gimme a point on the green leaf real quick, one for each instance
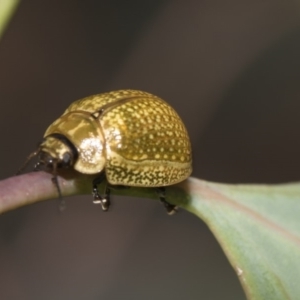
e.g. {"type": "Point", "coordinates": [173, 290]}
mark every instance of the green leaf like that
{"type": "Point", "coordinates": [7, 8]}
{"type": "Point", "coordinates": [258, 227]}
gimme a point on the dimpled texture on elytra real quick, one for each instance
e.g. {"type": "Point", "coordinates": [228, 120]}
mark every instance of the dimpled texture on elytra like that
{"type": "Point", "coordinates": [146, 143]}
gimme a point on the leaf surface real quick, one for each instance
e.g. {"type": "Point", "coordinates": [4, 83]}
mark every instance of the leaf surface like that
{"type": "Point", "coordinates": [258, 227]}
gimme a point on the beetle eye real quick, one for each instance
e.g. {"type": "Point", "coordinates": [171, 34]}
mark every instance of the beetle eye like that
{"type": "Point", "coordinates": [46, 159]}
{"type": "Point", "coordinates": [66, 160]}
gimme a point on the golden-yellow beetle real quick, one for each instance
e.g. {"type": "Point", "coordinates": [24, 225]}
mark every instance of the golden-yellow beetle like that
{"type": "Point", "coordinates": [130, 137]}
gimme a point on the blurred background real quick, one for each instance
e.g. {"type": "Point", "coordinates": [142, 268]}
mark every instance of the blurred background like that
{"type": "Point", "coordinates": [230, 68]}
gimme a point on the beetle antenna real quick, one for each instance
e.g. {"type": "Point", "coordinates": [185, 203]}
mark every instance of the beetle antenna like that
{"type": "Point", "coordinates": [28, 159]}
{"type": "Point", "coordinates": [62, 203]}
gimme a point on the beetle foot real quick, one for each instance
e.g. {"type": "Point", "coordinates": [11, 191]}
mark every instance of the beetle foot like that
{"type": "Point", "coordinates": [104, 201]}
{"type": "Point", "coordinates": [170, 208]}
{"type": "Point", "coordinates": [105, 204]}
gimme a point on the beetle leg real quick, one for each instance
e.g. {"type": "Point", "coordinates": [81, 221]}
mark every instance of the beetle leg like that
{"type": "Point", "coordinates": [106, 200]}
{"type": "Point", "coordinates": [62, 203]}
{"type": "Point", "coordinates": [98, 199]}
{"type": "Point", "coordinates": [171, 208]}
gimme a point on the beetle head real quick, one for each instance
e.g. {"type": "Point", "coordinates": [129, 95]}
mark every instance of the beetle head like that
{"type": "Point", "coordinates": [54, 152]}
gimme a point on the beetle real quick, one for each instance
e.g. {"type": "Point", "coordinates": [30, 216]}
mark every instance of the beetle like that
{"type": "Point", "coordinates": [126, 137]}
